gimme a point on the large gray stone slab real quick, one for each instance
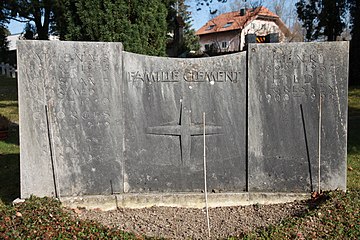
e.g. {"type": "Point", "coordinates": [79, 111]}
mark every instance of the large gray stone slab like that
{"type": "Point", "coordinates": [285, 85]}
{"type": "Point", "coordinates": [165, 100]}
{"type": "Point", "coordinates": [77, 101]}
{"type": "Point", "coordinates": [36, 167]}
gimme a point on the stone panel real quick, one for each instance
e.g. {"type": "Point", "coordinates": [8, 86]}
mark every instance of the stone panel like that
{"type": "Point", "coordinates": [286, 82]}
{"type": "Point", "coordinates": [36, 171]}
{"type": "Point", "coordinates": [165, 100]}
{"type": "Point", "coordinates": [84, 101]}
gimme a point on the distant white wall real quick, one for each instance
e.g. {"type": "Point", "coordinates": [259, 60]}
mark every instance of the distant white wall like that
{"type": "Point", "coordinates": [13, 38]}
{"type": "Point", "coordinates": [12, 41]}
{"type": "Point", "coordinates": [260, 28]}
{"type": "Point", "coordinates": [235, 40]}
{"type": "Point", "coordinates": [225, 41]}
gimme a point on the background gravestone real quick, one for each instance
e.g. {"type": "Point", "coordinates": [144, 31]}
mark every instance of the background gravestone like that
{"type": "Point", "coordinates": [285, 84]}
{"type": "Point", "coordinates": [71, 108]}
{"type": "Point", "coordinates": [165, 99]}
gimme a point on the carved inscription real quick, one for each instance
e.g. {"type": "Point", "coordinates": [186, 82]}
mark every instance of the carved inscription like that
{"type": "Point", "coordinates": [81, 89]}
{"type": "Point", "coordinates": [33, 92]}
{"type": "Point", "coordinates": [304, 76]}
{"type": "Point", "coordinates": [187, 76]}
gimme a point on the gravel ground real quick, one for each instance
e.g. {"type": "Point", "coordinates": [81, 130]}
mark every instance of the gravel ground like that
{"type": "Point", "coordinates": [185, 223]}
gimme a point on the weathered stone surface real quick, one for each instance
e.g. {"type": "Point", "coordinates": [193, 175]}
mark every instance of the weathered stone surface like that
{"type": "Point", "coordinates": [95, 120]}
{"type": "Point", "coordinates": [35, 168]}
{"type": "Point", "coordinates": [165, 99]}
{"type": "Point", "coordinates": [80, 86]}
{"type": "Point", "coordinates": [285, 84]}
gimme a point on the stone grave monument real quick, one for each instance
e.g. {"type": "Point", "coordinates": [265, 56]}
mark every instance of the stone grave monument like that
{"type": "Point", "coordinates": [96, 120]}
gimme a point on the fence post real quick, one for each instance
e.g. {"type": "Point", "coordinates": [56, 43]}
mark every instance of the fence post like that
{"type": "Point", "coordinates": [12, 72]}
{"type": "Point", "coordinates": [7, 72]}
{"type": "Point", "coordinates": [2, 66]}
{"type": "Point", "coordinates": [15, 68]}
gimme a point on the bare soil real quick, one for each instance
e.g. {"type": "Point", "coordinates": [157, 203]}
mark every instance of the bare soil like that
{"type": "Point", "coordinates": [188, 223]}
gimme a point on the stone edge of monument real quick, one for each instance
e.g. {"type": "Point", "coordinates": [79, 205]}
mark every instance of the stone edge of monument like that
{"type": "Point", "coordinates": [184, 200]}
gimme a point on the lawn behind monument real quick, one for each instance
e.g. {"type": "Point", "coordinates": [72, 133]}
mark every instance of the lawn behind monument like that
{"type": "Point", "coordinates": [9, 148]}
{"type": "Point", "coordinates": [333, 215]}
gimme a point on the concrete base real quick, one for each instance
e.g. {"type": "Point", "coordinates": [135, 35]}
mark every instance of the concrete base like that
{"type": "Point", "coordinates": [186, 200]}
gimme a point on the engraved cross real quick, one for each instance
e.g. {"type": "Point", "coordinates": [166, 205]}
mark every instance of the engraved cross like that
{"type": "Point", "coordinates": [185, 129]}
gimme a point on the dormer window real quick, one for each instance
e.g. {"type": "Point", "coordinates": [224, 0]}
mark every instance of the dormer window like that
{"type": "Point", "coordinates": [210, 27]}
{"type": "Point", "coordinates": [228, 24]}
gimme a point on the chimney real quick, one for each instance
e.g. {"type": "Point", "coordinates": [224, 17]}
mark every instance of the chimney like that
{"type": "Point", "coordinates": [242, 11]}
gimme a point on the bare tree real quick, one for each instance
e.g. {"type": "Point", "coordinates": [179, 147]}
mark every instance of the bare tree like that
{"type": "Point", "coordinates": [227, 6]}
{"type": "Point", "coordinates": [285, 10]}
{"type": "Point", "coordinates": [297, 32]}
{"type": "Point", "coordinates": [239, 4]}
{"type": "Point", "coordinates": [278, 7]}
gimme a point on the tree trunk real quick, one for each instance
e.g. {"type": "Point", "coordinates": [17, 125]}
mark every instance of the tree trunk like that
{"type": "Point", "coordinates": [42, 33]}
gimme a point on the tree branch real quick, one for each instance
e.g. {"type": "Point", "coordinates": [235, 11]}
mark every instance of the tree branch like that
{"type": "Point", "coordinates": [22, 21]}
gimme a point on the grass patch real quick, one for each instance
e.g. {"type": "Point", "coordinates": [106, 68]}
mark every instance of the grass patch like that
{"type": "Point", "coordinates": [333, 215]}
{"type": "Point", "coordinates": [9, 98]}
{"type": "Point", "coordinates": [353, 178]}
{"type": "Point", "coordinates": [44, 218]}
{"type": "Point", "coordinates": [9, 148]}
{"type": "Point", "coordinates": [354, 102]}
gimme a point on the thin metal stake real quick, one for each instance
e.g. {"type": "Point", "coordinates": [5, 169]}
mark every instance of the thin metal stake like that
{"type": "Point", "coordinates": [205, 187]}
{"type": "Point", "coordinates": [319, 188]}
{"type": "Point", "coordinates": [52, 155]}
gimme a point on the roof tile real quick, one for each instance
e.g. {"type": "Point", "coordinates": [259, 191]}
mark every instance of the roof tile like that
{"type": "Point", "coordinates": [222, 22]}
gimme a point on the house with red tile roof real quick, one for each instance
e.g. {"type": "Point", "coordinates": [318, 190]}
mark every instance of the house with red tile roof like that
{"type": "Point", "coordinates": [229, 32]}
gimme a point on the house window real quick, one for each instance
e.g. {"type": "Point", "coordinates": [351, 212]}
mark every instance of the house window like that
{"type": "Point", "coordinates": [260, 39]}
{"type": "Point", "coordinates": [224, 44]}
{"type": "Point", "coordinates": [207, 47]}
{"type": "Point", "coordinates": [228, 24]}
{"type": "Point", "coordinates": [210, 27]}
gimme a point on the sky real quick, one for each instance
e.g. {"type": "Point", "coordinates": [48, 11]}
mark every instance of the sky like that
{"type": "Point", "coordinates": [16, 27]}
{"type": "Point", "coordinates": [200, 17]}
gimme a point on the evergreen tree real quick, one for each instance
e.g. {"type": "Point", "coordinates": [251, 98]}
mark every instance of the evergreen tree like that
{"type": "Point", "coordinates": [191, 41]}
{"type": "Point", "coordinates": [322, 18]}
{"type": "Point", "coordinates": [140, 25]}
{"type": "Point", "coordinates": [29, 31]}
{"type": "Point", "coordinates": [41, 12]}
{"type": "Point", "coordinates": [327, 18]}
{"type": "Point", "coordinates": [354, 6]}
{"type": "Point", "coordinates": [3, 33]}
